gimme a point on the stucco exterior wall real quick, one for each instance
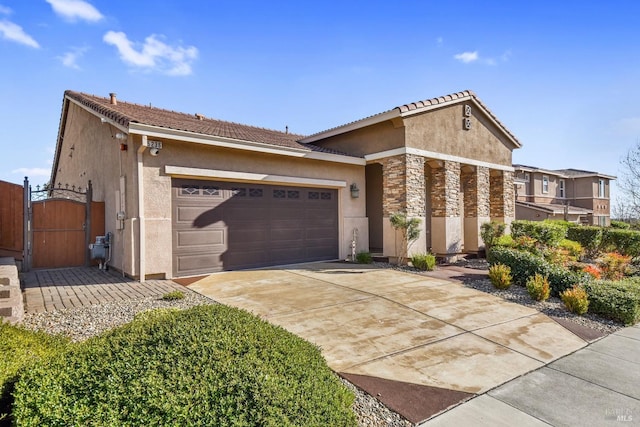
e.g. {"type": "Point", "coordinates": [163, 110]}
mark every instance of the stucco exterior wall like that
{"type": "Point", "coordinates": [373, 139]}
{"type": "Point", "coordinates": [96, 156]}
{"type": "Point", "coordinates": [442, 131]}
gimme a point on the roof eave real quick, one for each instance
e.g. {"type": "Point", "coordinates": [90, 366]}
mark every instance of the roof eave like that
{"type": "Point", "coordinates": [359, 124]}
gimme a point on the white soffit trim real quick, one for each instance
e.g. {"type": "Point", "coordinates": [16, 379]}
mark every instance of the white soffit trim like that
{"type": "Point", "coordinates": [435, 156]}
{"type": "Point", "coordinates": [251, 177]}
{"type": "Point", "coordinates": [219, 141]}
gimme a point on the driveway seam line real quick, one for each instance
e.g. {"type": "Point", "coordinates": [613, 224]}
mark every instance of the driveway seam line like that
{"type": "Point", "coordinates": [591, 382]}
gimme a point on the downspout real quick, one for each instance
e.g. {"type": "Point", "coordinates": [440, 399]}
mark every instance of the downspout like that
{"type": "Point", "coordinates": [141, 227]}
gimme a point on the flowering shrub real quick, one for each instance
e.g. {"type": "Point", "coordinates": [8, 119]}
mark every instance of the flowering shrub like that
{"type": "Point", "coordinates": [614, 266]}
{"type": "Point", "coordinates": [593, 270]}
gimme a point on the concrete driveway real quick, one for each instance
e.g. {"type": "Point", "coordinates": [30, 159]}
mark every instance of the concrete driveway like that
{"type": "Point", "coordinates": [399, 328]}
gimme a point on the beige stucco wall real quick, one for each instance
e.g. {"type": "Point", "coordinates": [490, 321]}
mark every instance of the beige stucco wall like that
{"type": "Point", "coordinates": [372, 139]}
{"type": "Point", "coordinates": [442, 131]}
{"type": "Point", "coordinates": [352, 212]}
{"type": "Point", "coordinates": [96, 156]}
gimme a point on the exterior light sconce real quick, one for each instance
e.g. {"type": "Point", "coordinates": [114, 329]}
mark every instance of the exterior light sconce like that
{"type": "Point", "coordinates": [355, 191]}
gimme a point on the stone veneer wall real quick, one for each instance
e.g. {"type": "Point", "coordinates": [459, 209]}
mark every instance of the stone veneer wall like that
{"type": "Point", "coordinates": [502, 195]}
{"type": "Point", "coordinates": [403, 185]}
{"type": "Point", "coordinates": [476, 187]}
{"type": "Point", "coordinates": [445, 190]}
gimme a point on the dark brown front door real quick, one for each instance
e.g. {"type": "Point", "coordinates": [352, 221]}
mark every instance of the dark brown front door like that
{"type": "Point", "coordinates": [227, 226]}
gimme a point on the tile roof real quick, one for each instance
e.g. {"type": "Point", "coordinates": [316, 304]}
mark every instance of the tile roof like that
{"type": "Point", "coordinates": [414, 106]}
{"type": "Point", "coordinates": [124, 113]}
{"type": "Point", "coordinates": [563, 173]}
{"type": "Point", "coordinates": [555, 208]}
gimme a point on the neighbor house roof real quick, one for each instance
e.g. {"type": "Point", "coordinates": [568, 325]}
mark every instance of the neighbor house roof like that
{"type": "Point", "coordinates": [555, 208]}
{"type": "Point", "coordinates": [414, 108]}
{"type": "Point", "coordinates": [562, 173]}
{"type": "Point", "coordinates": [126, 113]}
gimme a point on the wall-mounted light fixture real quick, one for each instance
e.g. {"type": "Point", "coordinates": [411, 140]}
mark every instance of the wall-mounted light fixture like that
{"type": "Point", "coordinates": [355, 191]}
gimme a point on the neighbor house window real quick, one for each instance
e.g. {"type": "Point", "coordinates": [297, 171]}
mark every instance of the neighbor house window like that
{"type": "Point", "coordinates": [561, 188]}
{"type": "Point", "coordinates": [545, 184]}
{"type": "Point", "coordinates": [601, 188]}
{"type": "Point", "coordinates": [527, 177]}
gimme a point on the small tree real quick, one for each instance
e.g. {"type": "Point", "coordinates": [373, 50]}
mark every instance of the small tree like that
{"type": "Point", "coordinates": [410, 231]}
{"type": "Point", "coordinates": [491, 232]}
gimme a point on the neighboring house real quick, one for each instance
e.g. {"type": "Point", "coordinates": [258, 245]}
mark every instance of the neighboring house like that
{"type": "Point", "coordinates": [571, 194]}
{"type": "Point", "coordinates": [188, 195]}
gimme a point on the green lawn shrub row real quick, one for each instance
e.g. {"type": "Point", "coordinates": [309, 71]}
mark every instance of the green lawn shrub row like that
{"type": "Point", "coordinates": [625, 242]}
{"type": "Point", "coordinates": [524, 264]}
{"type": "Point", "coordinates": [617, 300]}
{"type": "Point", "coordinates": [548, 233]}
{"type": "Point", "coordinates": [590, 237]}
{"type": "Point", "coordinates": [209, 365]}
{"type": "Point", "coordinates": [20, 349]}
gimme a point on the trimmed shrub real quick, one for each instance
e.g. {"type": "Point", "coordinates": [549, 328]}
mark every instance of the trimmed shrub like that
{"type": "Point", "coordinates": [593, 271]}
{"type": "Point", "coordinates": [616, 300]}
{"type": "Point", "coordinates": [173, 296]}
{"type": "Point", "coordinates": [209, 365]}
{"type": "Point", "coordinates": [19, 349]}
{"type": "Point", "coordinates": [546, 233]}
{"type": "Point", "coordinates": [538, 287]}
{"type": "Point", "coordinates": [504, 240]}
{"type": "Point", "coordinates": [424, 262]}
{"type": "Point", "coordinates": [626, 242]}
{"type": "Point", "coordinates": [620, 224]}
{"type": "Point", "coordinates": [364, 258]}
{"type": "Point", "coordinates": [576, 300]}
{"type": "Point", "coordinates": [500, 276]}
{"type": "Point", "coordinates": [590, 237]}
{"type": "Point", "coordinates": [524, 264]}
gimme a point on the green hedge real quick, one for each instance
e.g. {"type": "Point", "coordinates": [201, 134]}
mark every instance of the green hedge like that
{"type": "Point", "coordinates": [617, 300]}
{"type": "Point", "coordinates": [209, 365]}
{"type": "Point", "coordinates": [19, 349]}
{"type": "Point", "coordinates": [524, 265]}
{"type": "Point", "coordinates": [590, 237]}
{"type": "Point", "coordinates": [626, 242]}
{"type": "Point", "coordinates": [620, 224]}
{"type": "Point", "coordinates": [547, 233]}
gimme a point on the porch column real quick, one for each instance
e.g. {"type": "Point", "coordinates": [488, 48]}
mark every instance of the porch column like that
{"type": "Point", "coordinates": [446, 224]}
{"type": "Point", "coordinates": [403, 186]}
{"type": "Point", "coordinates": [475, 184]}
{"type": "Point", "coordinates": [502, 202]}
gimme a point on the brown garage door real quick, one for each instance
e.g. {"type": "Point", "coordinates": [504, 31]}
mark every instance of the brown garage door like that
{"type": "Point", "coordinates": [228, 226]}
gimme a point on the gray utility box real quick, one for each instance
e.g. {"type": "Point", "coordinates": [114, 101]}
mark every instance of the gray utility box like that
{"type": "Point", "coordinates": [99, 248]}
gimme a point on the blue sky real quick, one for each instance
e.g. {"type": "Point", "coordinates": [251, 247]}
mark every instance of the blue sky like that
{"type": "Point", "coordinates": [561, 75]}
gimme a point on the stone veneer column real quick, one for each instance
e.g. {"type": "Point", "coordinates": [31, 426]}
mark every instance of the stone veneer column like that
{"type": "Point", "coordinates": [502, 204]}
{"type": "Point", "coordinates": [475, 184]}
{"type": "Point", "coordinates": [446, 225]}
{"type": "Point", "coordinates": [403, 186]}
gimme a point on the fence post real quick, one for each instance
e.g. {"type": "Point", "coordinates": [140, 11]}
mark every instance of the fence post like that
{"type": "Point", "coordinates": [87, 222]}
{"type": "Point", "coordinates": [26, 246]}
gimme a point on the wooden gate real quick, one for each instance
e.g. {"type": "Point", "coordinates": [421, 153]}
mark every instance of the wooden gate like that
{"type": "Point", "coordinates": [62, 222]}
{"type": "Point", "coordinates": [11, 220]}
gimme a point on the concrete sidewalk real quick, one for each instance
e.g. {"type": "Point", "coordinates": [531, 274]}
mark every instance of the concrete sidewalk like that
{"type": "Point", "coordinates": [596, 386]}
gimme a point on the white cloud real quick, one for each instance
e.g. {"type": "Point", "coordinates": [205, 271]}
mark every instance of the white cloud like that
{"type": "Point", "coordinates": [5, 10]}
{"type": "Point", "coordinates": [14, 32]}
{"type": "Point", "coordinates": [153, 54]}
{"type": "Point", "coordinates": [76, 9]}
{"type": "Point", "coordinates": [31, 172]}
{"type": "Point", "coordinates": [70, 59]}
{"type": "Point", "coordinates": [467, 57]}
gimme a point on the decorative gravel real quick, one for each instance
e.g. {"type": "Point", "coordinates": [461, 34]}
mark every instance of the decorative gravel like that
{"type": "Point", "coordinates": [518, 294]}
